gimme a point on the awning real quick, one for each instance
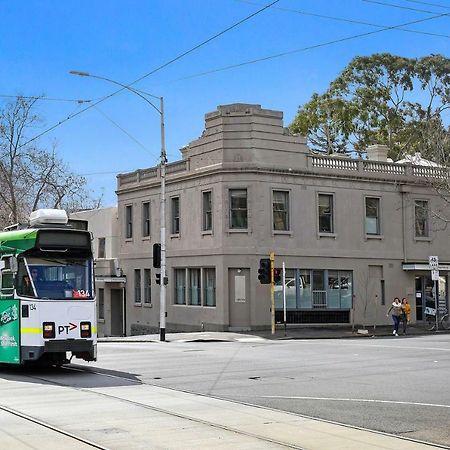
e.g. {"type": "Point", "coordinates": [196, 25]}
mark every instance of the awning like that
{"type": "Point", "coordinates": [424, 266]}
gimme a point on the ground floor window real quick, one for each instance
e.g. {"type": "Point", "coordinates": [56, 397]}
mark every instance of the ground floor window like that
{"type": "Point", "coordinates": [316, 289]}
{"type": "Point", "coordinates": [195, 286]}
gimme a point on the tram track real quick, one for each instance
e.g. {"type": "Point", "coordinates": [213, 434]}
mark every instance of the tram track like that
{"type": "Point", "coordinates": [76, 439]}
{"type": "Point", "coordinates": [208, 423]}
{"type": "Point", "coordinates": [156, 409]}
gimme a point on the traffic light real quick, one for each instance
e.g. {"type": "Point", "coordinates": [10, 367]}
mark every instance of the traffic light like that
{"type": "Point", "coordinates": [264, 271]}
{"type": "Point", "coordinates": [276, 276]}
{"type": "Point", "coordinates": [158, 278]}
{"type": "Point", "coordinates": [156, 256]}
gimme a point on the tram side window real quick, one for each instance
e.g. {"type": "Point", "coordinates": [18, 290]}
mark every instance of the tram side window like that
{"type": "Point", "coordinates": [24, 285]}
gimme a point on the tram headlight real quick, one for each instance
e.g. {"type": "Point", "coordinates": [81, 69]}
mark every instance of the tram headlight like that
{"type": "Point", "coordinates": [85, 329]}
{"type": "Point", "coordinates": [48, 330]}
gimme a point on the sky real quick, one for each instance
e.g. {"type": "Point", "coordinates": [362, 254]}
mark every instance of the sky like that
{"type": "Point", "coordinates": [43, 40]}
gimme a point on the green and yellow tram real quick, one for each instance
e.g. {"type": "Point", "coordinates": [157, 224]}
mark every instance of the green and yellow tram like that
{"type": "Point", "coordinates": [47, 296]}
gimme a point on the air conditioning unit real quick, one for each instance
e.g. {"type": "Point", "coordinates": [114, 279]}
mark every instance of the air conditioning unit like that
{"type": "Point", "coordinates": [48, 216]}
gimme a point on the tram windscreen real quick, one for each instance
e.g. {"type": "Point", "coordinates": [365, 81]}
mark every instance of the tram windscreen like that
{"type": "Point", "coordinates": [56, 278]}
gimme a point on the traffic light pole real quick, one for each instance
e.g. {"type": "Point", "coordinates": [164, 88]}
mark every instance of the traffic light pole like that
{"type": "Point", "coordinates": [272, 291]}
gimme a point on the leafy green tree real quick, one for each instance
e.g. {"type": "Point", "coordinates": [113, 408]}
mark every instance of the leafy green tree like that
{"type": "Point", "coordinates": [384, 99]}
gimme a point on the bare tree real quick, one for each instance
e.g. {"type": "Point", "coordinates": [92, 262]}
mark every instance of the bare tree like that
{"type": "Point", "coordinates": [33, 177]}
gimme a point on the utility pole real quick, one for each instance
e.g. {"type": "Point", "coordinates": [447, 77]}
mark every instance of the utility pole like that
{"type": "Point", "coordinates": [272, 291]}
{"type": "Point", "coordinates": [162, 292]}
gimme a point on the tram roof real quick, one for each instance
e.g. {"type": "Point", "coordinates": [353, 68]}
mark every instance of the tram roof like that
{"type": "Point", "coordinates": [17, 239]}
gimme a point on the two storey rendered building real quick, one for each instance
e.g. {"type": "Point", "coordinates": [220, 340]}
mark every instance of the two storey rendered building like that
{"type": "Point", "coordinates": [352, 234]}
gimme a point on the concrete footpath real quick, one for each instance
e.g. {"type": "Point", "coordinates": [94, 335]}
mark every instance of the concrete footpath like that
{"type": "Point", "coordinates": [307, 332]}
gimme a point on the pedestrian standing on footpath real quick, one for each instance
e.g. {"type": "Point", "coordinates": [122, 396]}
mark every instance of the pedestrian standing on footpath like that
{"type": "Point", "coordinates": [397, 311]}
{"type": "Point", "coordinates": [406, 313]}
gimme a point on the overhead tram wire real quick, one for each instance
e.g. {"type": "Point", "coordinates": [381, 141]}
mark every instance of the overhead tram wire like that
{"type": "Point", "coordinates": [393, 5]}
{"type": "Point", "coordinates": [342, 19]}
{"type": "Point", "coordinates": [40, 97]}
{"type": "Point", "coordinates": [311, 47]}
{"type": "Point", "coordinates": [122, 129]}
{"type": "Point", "coordinates": [162, 66]}
{"type": "Point", "coordinates": [428, 4]}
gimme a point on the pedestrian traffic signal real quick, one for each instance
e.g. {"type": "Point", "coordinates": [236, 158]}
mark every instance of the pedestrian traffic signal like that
{"type": "Point", "coordinates": [156, 256]}
{"type": "Point", "coordinates": [158, 278]}
{"type": "Point", "coordinates": [276, 276]}
{"type": "Point", "coordinates": [264, 271]}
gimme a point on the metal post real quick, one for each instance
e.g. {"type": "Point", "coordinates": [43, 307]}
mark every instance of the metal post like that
{"type": "Point", "coordinates": [162, 291]}
{"type": "Point", "coordinates": [436, 303]}
{"type": "Point", "coordinates": [284, 297]}
{"type": "Point", "coordinates": [272, 291]}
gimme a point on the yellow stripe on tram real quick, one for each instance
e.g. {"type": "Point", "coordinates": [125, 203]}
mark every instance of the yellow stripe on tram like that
{"type": "Point", "coordinates": [31, 330]}
{"type": "Point", "coordinates": [94, 330]}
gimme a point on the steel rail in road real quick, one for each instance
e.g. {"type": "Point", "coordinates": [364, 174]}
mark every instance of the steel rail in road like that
{"type": "Point", "coordinates": [51, 427]}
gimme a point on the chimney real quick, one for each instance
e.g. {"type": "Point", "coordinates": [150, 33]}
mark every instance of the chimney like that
{"type": "Point", "coordinates": [377, 152]}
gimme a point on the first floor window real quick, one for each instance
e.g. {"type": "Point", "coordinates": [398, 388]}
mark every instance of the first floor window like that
{"type": "Point", "coordinates": [326, 220]}
{"type": "Point", "coordinates": [421, 218]}
{"type": "Point", "coordinates": [175, 215]}
{"type": "Point", "coordinates": [101, 247]}
{"type": "Point", "coordinates": [147, 286]}
{"type": "Point", "coordinates": [180, 286]}
{"type": "Point", "coordinates": [207, 211]}
{"type": "Point", "coordinates": [137, 286]}
{"type": "Point", "coordinates": [146, 219]}
{"type": "Point", "coordinates": [238, 209]}
{"type": "Point", "coordinates": [280, 210]}
{"type": "Point", "coordinates": [372, 215]}
{"type": "Point", "coordinates": [209, 296]}
{"type": "Point", "coordinates": [101, 304]}
{"type": "Point", "coordinates": [128, 221]}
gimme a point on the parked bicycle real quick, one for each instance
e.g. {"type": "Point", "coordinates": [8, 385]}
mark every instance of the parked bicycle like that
{"type": "Point", "coordinates": [443, 319]}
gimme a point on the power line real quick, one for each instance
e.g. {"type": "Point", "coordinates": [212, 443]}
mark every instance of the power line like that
{"type": "Point", "coordinates": [122, 129]}
{"type": "Point", "coordinates": [392, 5]}
{"type": "Point", "coordinates": [429, 4]}
{"type": "Point", "coordinates": [311, 47]}
{"type": "Point", "coordinates": [343, 19]}
{"type": "Point", "coordinates": [177, 58]}
{"type": "Point", "coordinates": [40, 97]}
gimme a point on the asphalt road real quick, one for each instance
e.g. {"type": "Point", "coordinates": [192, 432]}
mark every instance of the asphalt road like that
{"type": "Point", "coordinates": [395, 385]}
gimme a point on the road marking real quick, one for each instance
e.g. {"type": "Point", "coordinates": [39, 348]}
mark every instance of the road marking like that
{"type": "Point", "coordinates": [393, 347]}
{"type": "Point", "coordinates": [434, 405]}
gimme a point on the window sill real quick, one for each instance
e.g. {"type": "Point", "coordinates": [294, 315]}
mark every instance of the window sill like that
{"type": "Point", "coordinates": [101, 320]}
{"type": "Point", "coordinates": [238, 230]}
{"type": "Point", "coordinates": [327, 235]}
{"type": "Point", "coordinates": [128, 239]}
{"type": "Point", "coordinates": [137, 304]}
{"type": "Point", "coordinates": [422, 239]}
{"type": "Point", "coordinates": [281, 233]}
{"type": "Point", "coordinates": [374, 236]}
{"type": "Point", "coordinates": [207, 233]}
{"type": "Point", "coordinates": [145, 238]}
{"type": "Point", "coordinates": [175, 236]}
{"type": "Point", "coordinates": [148, 305]}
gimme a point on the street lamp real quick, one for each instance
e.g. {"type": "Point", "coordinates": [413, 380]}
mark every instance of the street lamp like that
{"type": "Point", "coordinates": [160, 110]}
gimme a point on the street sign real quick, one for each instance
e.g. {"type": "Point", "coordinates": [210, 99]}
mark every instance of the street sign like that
{"type": "Point", "coordinates": [433, 261]}
{"type": "Point", "coordinates": [435, 275]}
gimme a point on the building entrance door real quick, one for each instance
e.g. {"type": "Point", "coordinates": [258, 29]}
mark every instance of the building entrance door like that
{"type": "Point", "coordinates": [425, 294]}
{"type": "Point", "coordinates": [117, 312]}
{"type": "Point", "coordinates": [239, 299]}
